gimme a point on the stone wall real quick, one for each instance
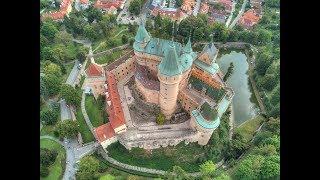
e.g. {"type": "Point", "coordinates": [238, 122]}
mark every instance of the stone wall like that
{"type": "Point", "coordinates": [186, 102]}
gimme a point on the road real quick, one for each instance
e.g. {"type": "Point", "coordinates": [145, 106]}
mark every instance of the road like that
{"type": "Point", "coordinates": [73, 74]}
{"type": "Point", "coordinates": [196, 8]}
{"type": "Point", "coordinates": [231, 14]}
{"type": "Point", "coordinates": [65, 110]}
{"type": "Point", "coordinates": [234, 22]}
{"type": "Point", "coordinates": [124, 16]}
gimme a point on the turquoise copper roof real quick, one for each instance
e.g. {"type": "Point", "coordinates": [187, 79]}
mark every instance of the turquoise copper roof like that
{"type": "Point", "coordinates": [170, 65]}
{"type": "Point", "coordinates": [223, 105]}
{"type": "Point", "coordinates": [203, 122]}
{"type": "Point", "coordinates": [188, 47]}
{"type": "Point", "coordinates": [212, 69]}
{"type": "Point", "coordinates": [142, 34]}
{"type": "Point", "coordinates": [211, 50]}
{"type": "Point", "coordinates": [158, 47]}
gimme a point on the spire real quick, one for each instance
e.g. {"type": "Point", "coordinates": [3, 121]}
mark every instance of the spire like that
{"type": "Point", "coordinates": [169, 65]}
{"type": "Point", "coordinates": [188, 47]}
{"type": "Point", "coordinates": [142, 34]}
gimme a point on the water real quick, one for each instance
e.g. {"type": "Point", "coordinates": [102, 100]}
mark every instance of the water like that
{"type": "Point", "coordinates": [243, 108]}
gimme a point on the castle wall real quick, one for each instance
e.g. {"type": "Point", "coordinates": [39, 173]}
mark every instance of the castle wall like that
{"type": "Point", "coordinates": [151, 96]}
{"type": "Point", "coordinates": [150, 61]}
{"type": "Point", "coordinates": [107, 142]}
{"type": "Point", "coordinates": [123, 69]}
{"type": "Point", "coordinates": [184, 80]}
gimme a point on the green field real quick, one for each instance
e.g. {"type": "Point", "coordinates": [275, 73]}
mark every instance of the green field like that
{"type": "Point", "coordinates": [182, 155]}
{"type": "Point", "coordinates": [94, 112]}
{"type": "Point", "coordinates": [110, 57]}
{"type": "Point", "coordinates": [86, 134]}
{"type": "Point", "coordinates": [248, 128]}
{"type": "Point", "coordinates": [55, 170]}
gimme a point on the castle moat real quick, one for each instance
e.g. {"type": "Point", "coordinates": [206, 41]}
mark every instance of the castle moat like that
{"type": "Point", "coordinates": [243, 108]}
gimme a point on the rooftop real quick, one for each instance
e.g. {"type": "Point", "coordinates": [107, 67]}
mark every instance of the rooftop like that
{"type": "Point", "coordinates": [94, 70]}
{"type": "Point", "coordinates": [116, 116]}
{"type": "Point", "coordinates": [212, 69]}
{"type": "Point", "coordinates": [104, 132]}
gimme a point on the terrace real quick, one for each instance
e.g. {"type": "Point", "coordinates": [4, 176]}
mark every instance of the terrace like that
{"type": "Point", "coordinates": [142, 74]}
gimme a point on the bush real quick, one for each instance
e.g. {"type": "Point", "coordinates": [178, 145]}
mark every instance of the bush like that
{"type": "Point", "coordinates": [67, 128]}
{"type": "Point", "coordinates": [160, 119]}
{"type": "Point", "coordinates": [49, 117]}
{"type": "Point", "coordinates": [44, 171]}
{"type": "Point", "coordinates": [47, 157]}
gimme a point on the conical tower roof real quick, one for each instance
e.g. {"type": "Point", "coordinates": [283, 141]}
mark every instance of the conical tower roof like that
{"type": "Point", "coordinates": [169, 65]}
{"type": "Point", "coordinates": [188, 48]}
{"type": "Point", "coordinates": [142, 34]}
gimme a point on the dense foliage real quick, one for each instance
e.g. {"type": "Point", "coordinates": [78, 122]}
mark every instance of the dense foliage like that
{"type": "Point", "coordinates": [71, 95]}
{"type": "Point", "coordinates": [67, 129]}
{"type": "Point", "coordinates": [88, 167]}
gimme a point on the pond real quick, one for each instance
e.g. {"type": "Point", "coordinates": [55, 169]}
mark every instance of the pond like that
{"type": "Point", "coordinates": [243, 108]}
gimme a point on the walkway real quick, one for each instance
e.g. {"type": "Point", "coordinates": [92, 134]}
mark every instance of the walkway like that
{"type": "Point", "coordinates": [73, 74]}
{"type": "Point", "coordinates": [196, 8]}
{"type": "Point", "coordinates": [231, 14]}
{"type": "Point", "coordinates": [239, 14]}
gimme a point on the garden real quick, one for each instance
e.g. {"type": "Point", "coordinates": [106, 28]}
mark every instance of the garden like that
{"type": "Point", "coordinates": [52, 160]}
{"type": "Point", "coordinates": [96, 111]}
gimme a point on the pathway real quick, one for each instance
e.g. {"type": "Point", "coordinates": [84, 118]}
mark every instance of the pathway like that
{"type": "Point", "coordinates": [196, 8]}
{"type": "Point", "coordinates": [239, 14]}
{"type": "Point", "coordinates": [65, 110]}
{"type": "Point", "coordinates": [231, 14]}
{"type": "Point", "coordinates": [73, 74]}
{"type": "Point", "coordinates": [120, 32]}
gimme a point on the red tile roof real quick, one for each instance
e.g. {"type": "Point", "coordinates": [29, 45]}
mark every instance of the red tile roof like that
{"type": "Point", "coordinates": [249, 18]}
{"type": "Point", "coordinates": [116, 116]}
{"type": "Point", "coordinates": [227, 4]}
{"type": "Point", "coordinates": [84, 1]}
{"type": "Point", "coordinates": [104, 132]}
{"type": "Point", "coordinates": [204, 8]}
{"type": "Point", "coordinates": [175, 15]}
{"type": "Point", "coordinates": [108, 4]}
{"type": "Point", "coordinates": [59, 14]}
{"type": "Point", "coordinates": [94, 70]}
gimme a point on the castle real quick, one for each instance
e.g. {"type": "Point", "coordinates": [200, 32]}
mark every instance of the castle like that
{"type": "Point", "coordinates": [183, 84]}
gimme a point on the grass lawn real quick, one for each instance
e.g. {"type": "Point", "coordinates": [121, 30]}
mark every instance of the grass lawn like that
{"type": "Point", "coordinates": [86, 134]}
{"type": "Point", "coordinates": [47, 130]}
{"type": "Point", "coordinates": [110, 57]}
{"type": "Point", "coordinates": [121, 174]}
{"type": "Point", "coordinates": [56, 170]}
{"type": "Point", "coordinates": [249, 127]}
{"type": "Point", "coordinates": [94, 112]}
{"type": "Point", "coordinates": [181, 155]}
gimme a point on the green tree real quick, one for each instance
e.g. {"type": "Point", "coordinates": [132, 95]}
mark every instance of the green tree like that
{"type": "Point", "coordinates": [178, 173]}
{"type": "Point", "coordinates": [90, 32]}
{"type": "Point", "coordinates": [265, 150]}
{"type": "Point", "coordinates": [270, 167]}
{"type": "Point", "coordinates": [48, 116]}
{"type": "Point", "coordinates": [43, 41]}
{"type": "Point", "coordinates": [250, 167]}
{"type": "Point", "coordinates": [223, 176]}
{"type": "Point", "coordinates": [135, 7]}
{"type": "Point", "coordinates": [52, 83]}
{"type": "Point", "coordinates": [70, 95]}
{"type": "Point", "coordinates": [47, 157]}
{"type": "Point", "coordinates": [59, 53]}
{"type": "Point", "coordinates": [273, 125]}
{"type": "Point", "coordinates": [274, 140]}
{"type": "Point", "coordinates": [157, 22]}
{"type": "Point", "coordinates": [94, 14]}
{"type": "Point", "coordinates": [124, 39]}
{"type": "Point", "coordinates": [63, 37]}
{"type": "Point", "coordinates": [49, 30]}
{"type": "Point", "coordinates": [46, 53]}
{"type": "Point", "coordinates": [88, 168]}
{"type": "Point", "coordinates": [67, 129]}
{"type": "Point", "coordinates": [179, 3]}
{"type": "Point", "coordinates": [82, 54]}
{"type": "Point", "coordinates": [208, 168]}
{"type": "Point", "coordinates": [52, 69]}
{"type": "Point", "coordinates": [268, 82]}
{"type": "Point", "coordinates": [160, 119]}
{"type": "Point", "coordinates": [44, 171]}
{"type": "Point", "coordinates": [263, 36]}
{"type": "Point", "coordinates": [229, 72]}
{"type": "Point", "coordinates": [261, 136]}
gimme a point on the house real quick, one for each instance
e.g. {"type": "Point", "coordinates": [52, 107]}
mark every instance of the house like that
{"type": "Point", "coordinates": [249, 19]}
{"type": "Point", "coordinates": [172, 13]}
{"type": "Point", "coordinates": [107, 4]}
{"type": "Point", "coordinates": [227, 4]}
{"type": "Point", "coordinates": [188, 5]}
{"type": "Point", "coordinates": [95, 79]}
{"type": "Point", "coordinates": [65, 9]}
{"type": "Point", "coordinates": [204, 8]}
{"type": "Point", "coordinates": [105, 134]}
{"type": "Point", "coordinates": [84, 4]}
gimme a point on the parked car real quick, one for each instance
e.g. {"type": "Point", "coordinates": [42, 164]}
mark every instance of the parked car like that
{"type": "Point", "coordinates": [79, 66]}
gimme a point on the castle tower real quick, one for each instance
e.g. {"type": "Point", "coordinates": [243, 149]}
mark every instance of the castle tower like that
{"type": "Point", "coordinates": [142, 37]}
{"type": "Point", "coordinates": [169, 75]}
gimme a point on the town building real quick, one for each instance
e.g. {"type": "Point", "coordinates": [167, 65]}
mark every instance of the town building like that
{"type": "Point", "coordinates": [65, 9]}
{"type": "Point", "coordinates": [249, 19]}
{"type": "Point", "coordinates": [185, 86]}
{"type": "Point", "coordinates": [166, 9]}
{"type": "Point", "coordinates": [109, 5]}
